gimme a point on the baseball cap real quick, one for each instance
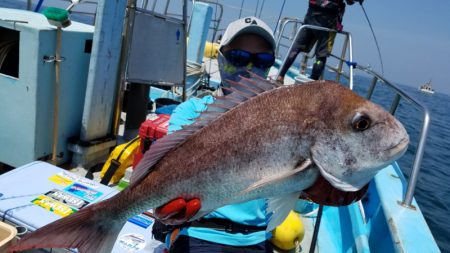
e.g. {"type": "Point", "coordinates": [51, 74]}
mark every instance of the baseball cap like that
{"type": "Point", "coordinates": [247, 25]}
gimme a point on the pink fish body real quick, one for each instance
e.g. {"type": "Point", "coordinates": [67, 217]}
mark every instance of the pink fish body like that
{"type": "Point", "coordinates": [261, 141]}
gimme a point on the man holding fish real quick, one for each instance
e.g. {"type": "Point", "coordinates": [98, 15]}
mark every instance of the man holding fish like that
{"type": "Point", "coordinates": [247, 45]}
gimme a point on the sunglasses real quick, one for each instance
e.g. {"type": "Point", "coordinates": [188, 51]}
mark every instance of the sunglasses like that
{"type": "Point", "coordinates": [241, 58]}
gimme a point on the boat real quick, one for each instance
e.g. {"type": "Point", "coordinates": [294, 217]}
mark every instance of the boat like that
{"type": "Point", "coordinates": [87, 127]}
{"type": "Point", "coordinates": [427, 88]}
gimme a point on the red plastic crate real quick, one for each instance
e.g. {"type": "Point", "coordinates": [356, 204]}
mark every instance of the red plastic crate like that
{"type": "Point", "coordinates": [149, 131]}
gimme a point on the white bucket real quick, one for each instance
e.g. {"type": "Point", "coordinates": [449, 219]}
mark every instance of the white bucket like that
{"type": "Point", "coordinates": [7, 236]}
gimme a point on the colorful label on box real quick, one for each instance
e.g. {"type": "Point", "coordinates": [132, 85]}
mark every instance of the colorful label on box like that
{"type": "Point", "coordinates": [141, 220]}
{"type": "Point", "coordinates": [53, 206]}
{"type": "Point", "coordinates": [67, 198]}
{"type": "Point", "coordinates": [132, 242]}
{"type": "Point", "coordinates": [83, 192]}
{"type": "Point", "coordinates": [61, 180]}
{"type": "Point", "coordinates": [79, 179]}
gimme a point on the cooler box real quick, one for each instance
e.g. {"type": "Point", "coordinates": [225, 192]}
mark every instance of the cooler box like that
{"type": "Point", "coordinates": [149, 131]}
{"type": "Point", "coordinates": [39, 193]}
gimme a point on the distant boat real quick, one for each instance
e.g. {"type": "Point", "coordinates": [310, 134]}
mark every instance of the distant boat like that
{"type": "Point", "coordinates": [426, 88]}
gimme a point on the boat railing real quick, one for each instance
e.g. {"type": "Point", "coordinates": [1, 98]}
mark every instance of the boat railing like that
{"type": "Point", "coordinates": [144, 5]}
{"type": "Point", "coordinates": [216, 17]}
{"type": "Point", "coordinates": [376, 79]}
{"type": "Point", "coordinates": [280, 37]}
{"type": "Point", "coordinates": [346, 45]}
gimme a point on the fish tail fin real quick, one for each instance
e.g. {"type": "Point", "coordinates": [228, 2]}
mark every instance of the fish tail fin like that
{"type": "Point", "coordinates": [87, 230]}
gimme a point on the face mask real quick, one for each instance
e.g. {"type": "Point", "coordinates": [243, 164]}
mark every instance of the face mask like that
{"type": "Point", "coordinates": [231, 72]}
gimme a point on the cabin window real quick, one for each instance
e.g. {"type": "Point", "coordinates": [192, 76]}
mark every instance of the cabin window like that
{"type": "Point", "coordinates": [88, 46]}
{"type": "Point", "coordinates": [9, 52]}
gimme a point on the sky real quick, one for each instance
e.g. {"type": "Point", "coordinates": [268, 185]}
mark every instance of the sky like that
{"type": "Point", "coordinates": [414, 36]}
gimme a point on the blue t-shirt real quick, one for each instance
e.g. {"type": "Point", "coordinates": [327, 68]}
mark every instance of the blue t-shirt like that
{"type": "Point", "coordinates": [249, 213]}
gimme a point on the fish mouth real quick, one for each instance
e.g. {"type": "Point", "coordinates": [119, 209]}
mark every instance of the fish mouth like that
{"type": "Point", "coordinates": [399, 148]}
{"type": "Point", "coordinates": [341, 184]}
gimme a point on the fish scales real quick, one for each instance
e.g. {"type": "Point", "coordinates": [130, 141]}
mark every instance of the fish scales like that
{"type": "Point", "coordinates": [249, 143]}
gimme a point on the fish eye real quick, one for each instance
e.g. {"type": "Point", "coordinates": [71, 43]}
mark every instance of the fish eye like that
{"type": "Point", "coordinates": [361, 122]}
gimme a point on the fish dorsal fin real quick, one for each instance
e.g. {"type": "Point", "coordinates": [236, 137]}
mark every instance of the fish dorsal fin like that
{"type": "Point", "coordinates": [241, 91]}
{"type": "Point", "coordinates": [156, 151]}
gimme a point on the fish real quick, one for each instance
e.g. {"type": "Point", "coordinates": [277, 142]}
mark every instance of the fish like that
{"type": "Point", "coordinates": [262, 140]}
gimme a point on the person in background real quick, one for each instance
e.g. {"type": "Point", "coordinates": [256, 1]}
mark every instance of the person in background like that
{"type": "Point", "coordinates": [324, 13]}
{"type": "Point", "coordinates": [247, 45]}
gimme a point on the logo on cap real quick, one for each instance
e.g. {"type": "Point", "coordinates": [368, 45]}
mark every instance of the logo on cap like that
{"type": "Point", "coordinates": [250, 21]}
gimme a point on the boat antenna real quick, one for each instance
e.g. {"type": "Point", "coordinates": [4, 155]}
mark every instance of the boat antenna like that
{"type": "Point", "coordinates": [257, 7]}
{"type": "Point", "coordinates": [262, 6]}
{"type": "Point", "coordinates": [240, 11]}
{"type": "Point", "coordinates": [374, 37]}
{"type": "Point", "coordinates": [279, 16]}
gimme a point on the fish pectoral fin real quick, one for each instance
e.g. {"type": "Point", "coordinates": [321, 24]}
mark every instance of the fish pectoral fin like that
{"type": "Point", "coordinates": [280, 208]}
{"type": "Point", "coordinates": [199, 215]}
{"type": "Point", "coordinates": [276, 178]}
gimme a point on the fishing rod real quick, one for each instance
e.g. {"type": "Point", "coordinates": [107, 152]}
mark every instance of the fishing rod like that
{"type": "Point", "coordinates": [240, 11]}
{"type": "Point", "coordinates": [279, 17]}
{"type": "Point", "coordinates": [375, 38]}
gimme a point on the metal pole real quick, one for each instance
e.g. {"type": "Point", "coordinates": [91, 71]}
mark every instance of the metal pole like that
{"type": "Point", "coordinates": [29, 5]}
{"type": "Point", "coordinates": [56, 95]}
{"type": "Point", "coordinates": [341, 62]}
{"type": "Point", "coordinates": [128, 30]}
{"type": "Point", "coordinates": [102, 78]}
{"type": "Point", "coordinates": [351, 59]}
{"type": "Point", "coordinates": [154, 5]}
{"type": "Point", "coordinates": [394, 104]}
{"type": "Point", "coordinates": [304, 64]}
{"type": "Point", "coordinates": [372, 88]}
{"type": "Point", "coordinates": [312, 248]}
{"type": "Point", "coordinates": [184, 47]}
{"type": "Point", "coordinates": [144, 4]}
{"type": "Point", "coordinates": [417, 161]}
{"type": "Point", "coordinates": [167, 7]}
{"type": "Point", "coordinates": [280, 34]}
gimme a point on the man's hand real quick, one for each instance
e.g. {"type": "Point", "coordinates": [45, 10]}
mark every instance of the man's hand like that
{"type": "Point", "coordinates": [177, 211]}
{"type": "Point", "coordinates": [323, 193]}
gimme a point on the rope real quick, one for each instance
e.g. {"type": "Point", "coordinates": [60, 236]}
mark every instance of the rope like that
{"type": "Point", "coordinates": [5, 48]}
{"type": "Point", "coordinates": [193, 68]}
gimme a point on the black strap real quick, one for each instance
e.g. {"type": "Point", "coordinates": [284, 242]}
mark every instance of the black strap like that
{"type": "Point", "coordinates": [226, 226]}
